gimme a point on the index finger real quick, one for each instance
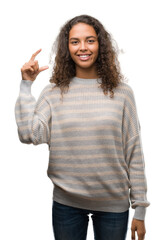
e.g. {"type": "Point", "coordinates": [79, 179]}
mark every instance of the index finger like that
{"type": "Point", "coordinates": [35, 54]}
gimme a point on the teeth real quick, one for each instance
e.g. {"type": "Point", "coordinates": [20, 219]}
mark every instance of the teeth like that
{"type": "Point", "coordinates": [84, 56]}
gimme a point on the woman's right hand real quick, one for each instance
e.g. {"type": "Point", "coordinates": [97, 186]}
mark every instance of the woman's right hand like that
{"type": "Point", "coordinates": [31, 69]}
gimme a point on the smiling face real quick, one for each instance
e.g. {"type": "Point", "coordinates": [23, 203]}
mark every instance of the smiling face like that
{"type": "Point", "coordinates": [83, 47]}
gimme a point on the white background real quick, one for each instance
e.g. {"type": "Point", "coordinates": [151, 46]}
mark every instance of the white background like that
{"type": "Point", "coordinates": [26, 26]}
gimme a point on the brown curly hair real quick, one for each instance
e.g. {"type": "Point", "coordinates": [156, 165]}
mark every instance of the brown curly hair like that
{"type": "Point", "coordinates": [107, 64]}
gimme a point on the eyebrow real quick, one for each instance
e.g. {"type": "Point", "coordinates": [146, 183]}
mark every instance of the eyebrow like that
{"type": "Point", "coordinates": [86, 37]}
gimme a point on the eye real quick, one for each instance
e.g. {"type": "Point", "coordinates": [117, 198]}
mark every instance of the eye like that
{"type": "Point", "coordinates": [91, 41]}
{"type": "Point", "coordinates": [74, 42]}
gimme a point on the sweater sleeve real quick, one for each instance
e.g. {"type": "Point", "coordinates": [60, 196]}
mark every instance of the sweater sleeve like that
{"type": "Point", "coordinates": [134, 156]}
{"type": "Point", "coordinates": [32, 118]}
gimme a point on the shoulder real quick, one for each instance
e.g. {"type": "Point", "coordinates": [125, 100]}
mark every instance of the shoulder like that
{"type": "Point", "coordinates": [125, 88]}
{"type": "Point", "coordinates": [126, 92]}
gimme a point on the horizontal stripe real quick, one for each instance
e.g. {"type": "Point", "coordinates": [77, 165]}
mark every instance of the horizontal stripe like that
{"type": "Point", "coordinates": [84, 138]}
{"type": "Point", "coordinates": [82, 155]}
{"type": "Point", "coordinates": [87, 147]}
{"type": "Point", "coordinates": [86, 174]}
{"type": "Point", "coordinates": [90, 183]}
{"type": "Point", "coordinates": [83, 128]}
{"type": "Point", "coordinates": [89, 165]}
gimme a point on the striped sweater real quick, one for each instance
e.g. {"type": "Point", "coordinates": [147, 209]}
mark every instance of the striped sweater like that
{"type": "Point", "coordinates": [96, 159]}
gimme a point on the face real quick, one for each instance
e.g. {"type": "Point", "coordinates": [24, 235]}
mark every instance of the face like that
{"type": "Point", "coordinates": [83, 45]}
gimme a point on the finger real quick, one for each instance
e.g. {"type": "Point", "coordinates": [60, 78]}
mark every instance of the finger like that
{"type": "Point", "coordinates": [36, 66]}
{"type": "Point", "coordinates": [27, 68]}
{"type": "Point", "coordinates": [35, 54]}
{"type": "Point", "coordinates": [141, 237]}
{"type": "Point", "coordinates": [31, 69]}
{"type": "Point", "coordinates": [133, 235]}
{"type": "Point", "coordinates": [43, 68]}
{"type": "Point", "coordinates": [33, 64]}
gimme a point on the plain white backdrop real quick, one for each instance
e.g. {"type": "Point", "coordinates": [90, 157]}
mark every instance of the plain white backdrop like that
{"type": "Point", "coordinates": [26, 26]}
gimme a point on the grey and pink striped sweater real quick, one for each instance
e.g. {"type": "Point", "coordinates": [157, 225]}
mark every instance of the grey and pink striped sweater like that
{"type": "Point", "coordinates": [96, 159]}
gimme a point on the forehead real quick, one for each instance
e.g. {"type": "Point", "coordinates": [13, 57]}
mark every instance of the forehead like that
{"type": "Point", "coordinates": [82, 29]}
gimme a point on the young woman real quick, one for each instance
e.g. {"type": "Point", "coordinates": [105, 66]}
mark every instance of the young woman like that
{"type": "Point", "coordinates": [96, 160]}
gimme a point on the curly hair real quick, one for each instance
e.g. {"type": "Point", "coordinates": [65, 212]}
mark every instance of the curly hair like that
{"type": "Point", "coordinates": [107, 64]}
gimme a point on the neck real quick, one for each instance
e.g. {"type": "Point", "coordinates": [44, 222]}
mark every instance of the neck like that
{"type": "Point", "coordinates": [86, 73]}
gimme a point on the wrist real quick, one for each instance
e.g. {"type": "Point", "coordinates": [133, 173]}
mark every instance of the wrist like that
{"type": "Point", "coordinates": [25, 86]}
{"type": "Point", "coordinates": [140, 213]}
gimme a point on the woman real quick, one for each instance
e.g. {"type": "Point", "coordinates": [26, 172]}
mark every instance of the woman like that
{"type": "Point", "coordinates": [94, 139]}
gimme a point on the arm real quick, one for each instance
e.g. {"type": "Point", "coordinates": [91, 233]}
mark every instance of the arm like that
{"type": "Point", "coordinates": [134, 157]}
{"type": "Point", "coordinates": [32, 118]}
{"type": "Point", "coordinates": [135, 160]}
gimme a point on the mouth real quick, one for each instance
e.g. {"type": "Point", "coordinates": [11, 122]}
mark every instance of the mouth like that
{"type": "Point", "coordinates": [84, 57]}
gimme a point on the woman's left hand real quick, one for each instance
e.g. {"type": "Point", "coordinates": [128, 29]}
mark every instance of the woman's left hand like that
{"type": "Point", "coordinates": [139, 226]}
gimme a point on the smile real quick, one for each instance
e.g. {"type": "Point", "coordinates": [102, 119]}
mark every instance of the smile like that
{"type": "Point", "coordinates": [84, 57]}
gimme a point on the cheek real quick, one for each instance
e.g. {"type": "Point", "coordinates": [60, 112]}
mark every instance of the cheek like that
{"type": "Point", "coordinates": [95, 49]}
{"type": "Point", "coordinates": [72, 51]}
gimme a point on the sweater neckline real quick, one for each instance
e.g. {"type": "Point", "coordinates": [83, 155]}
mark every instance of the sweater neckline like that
{"type": "Point", "coordinates": [86, 80]}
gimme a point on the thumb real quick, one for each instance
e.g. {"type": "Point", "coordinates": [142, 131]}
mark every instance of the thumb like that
{"type": "Point", "coordinates": [43, 68]}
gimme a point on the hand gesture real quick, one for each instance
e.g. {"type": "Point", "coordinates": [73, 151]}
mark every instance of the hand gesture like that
{"type": "Point", "coordinates": [139, 226]}
{"type": "Point", "coordinates": [31, 69]}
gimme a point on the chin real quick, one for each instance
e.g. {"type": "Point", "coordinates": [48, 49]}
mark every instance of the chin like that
{"type": "Point", "coordinates": [85, 66]}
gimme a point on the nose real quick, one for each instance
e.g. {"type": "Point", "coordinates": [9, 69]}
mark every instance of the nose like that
{"type": "Point", "coordinates": [83, 46]}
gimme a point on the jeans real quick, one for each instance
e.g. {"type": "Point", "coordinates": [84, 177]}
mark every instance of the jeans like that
{"type": "Point", "coordinates": [70, 223]}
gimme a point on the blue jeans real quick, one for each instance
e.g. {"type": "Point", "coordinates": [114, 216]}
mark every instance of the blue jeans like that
{"type": "Point", "coordinates": [70, 223]}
